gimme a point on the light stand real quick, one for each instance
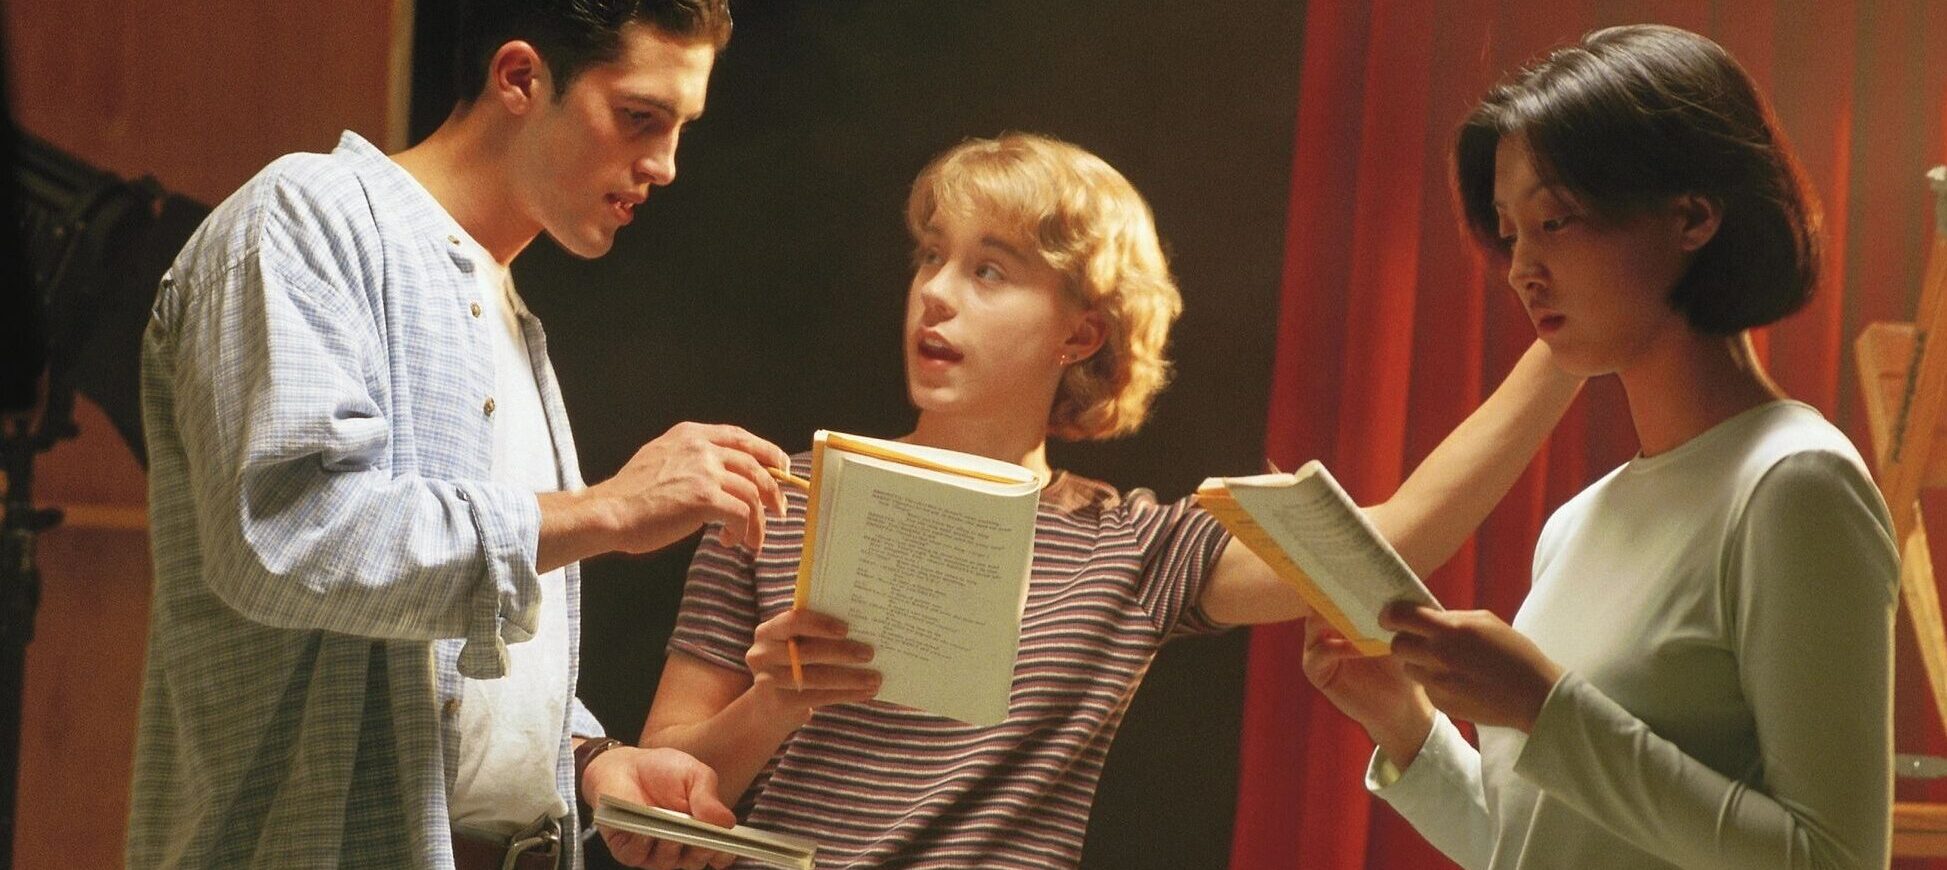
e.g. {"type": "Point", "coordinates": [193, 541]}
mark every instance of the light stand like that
{"type": "Point", "coordinates": [85, 232]}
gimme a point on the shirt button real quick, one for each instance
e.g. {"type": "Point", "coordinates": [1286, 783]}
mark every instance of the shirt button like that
{"type": "Point", "coordinates": [489, 406]}
{"type": "Point", "coordinates": [475, 308]}
{"type": "Point", "coordinates": [451, 708]}
{"type": "Point", "coordinates": [453, 240]}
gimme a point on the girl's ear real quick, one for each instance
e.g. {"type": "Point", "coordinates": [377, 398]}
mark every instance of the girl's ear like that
{"type": "Point", "coordinates": [1699, 216]}
{"type": "Point", "coordinates": [1086, 338]}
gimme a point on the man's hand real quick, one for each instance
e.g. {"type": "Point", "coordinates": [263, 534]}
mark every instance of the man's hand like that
{"type": "Point", "coordinates": [1473, 665]}
{"type": "Point", "coordinates": [689, 476]}
{"type": "Point", "coordinates": [657, 778]}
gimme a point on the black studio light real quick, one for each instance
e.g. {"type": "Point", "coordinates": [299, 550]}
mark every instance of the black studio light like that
{"type": "Point", "coordinates": [78, 271]}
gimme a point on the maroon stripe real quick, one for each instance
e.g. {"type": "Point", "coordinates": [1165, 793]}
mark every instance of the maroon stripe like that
{"type": "Point", "coordinates": [1112, 579]}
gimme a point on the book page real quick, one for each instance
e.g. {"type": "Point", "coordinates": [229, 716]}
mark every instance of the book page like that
{"type": "Point", "coordinates": [1314, 521]}
{"type": "Point", "coordinates": [932, 575]}
{"type": "Point", "coordinates": [770, 847]}
{"type": "Point", "coordinates": [969, 470]}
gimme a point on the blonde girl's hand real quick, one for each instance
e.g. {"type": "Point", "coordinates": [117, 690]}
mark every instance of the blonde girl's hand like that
{"type": "Point", "coordinates": [832, 664]}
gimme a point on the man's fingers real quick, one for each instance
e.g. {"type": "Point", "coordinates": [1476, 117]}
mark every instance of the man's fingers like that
{"type": "Point", "coordinates": [705, 805]}
{"type": "Point", "coordinates": [627, 848]}
{"type": "Point", "coordinates": [665, 855]}
{"type": "Point", "coordinates": [737, 438]}
{"type": "Point", "coordinates": [739, 501]}
{"type": "Point", "coordinates": [743, 524]}
{"type": "Point", "coordinates": [749, 456]}
{"type": "Point", "coordinates": [748, 467]}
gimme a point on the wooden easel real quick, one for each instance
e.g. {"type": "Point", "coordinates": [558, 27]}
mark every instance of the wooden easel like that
{"type": "Point", "coordinates": [1903, 376]}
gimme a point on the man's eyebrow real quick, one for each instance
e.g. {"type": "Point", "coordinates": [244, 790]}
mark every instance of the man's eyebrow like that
{"type": "Point", "coordinates": [665, 106]}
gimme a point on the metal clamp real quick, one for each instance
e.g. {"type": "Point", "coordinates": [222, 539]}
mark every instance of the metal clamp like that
{"type": "Point", "coordinates": [544, 835]}
{"type": "Point", "coordinates": [1937, 178]}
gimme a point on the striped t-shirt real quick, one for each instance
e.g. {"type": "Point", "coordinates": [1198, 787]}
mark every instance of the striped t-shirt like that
{"type": "Point", "coordinates": [879, 785]}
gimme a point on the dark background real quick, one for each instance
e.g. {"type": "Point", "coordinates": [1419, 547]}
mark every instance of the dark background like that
{"type": "Point", "coordinates": [766, 288]}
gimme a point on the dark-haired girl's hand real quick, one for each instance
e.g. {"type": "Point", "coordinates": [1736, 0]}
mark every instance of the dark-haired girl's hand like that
{"type": "Point", "coordinates": [1473, 665]}
{"type": "Point", "coordinates": [1373, 690]}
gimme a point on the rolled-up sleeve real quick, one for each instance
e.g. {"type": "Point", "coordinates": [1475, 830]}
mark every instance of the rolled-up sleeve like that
{"type": "Point", "coordinates": [304, 522]}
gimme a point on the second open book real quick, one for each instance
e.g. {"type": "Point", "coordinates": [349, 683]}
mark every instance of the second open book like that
{"type": "Point", "coordinates": [1310, 532]}
{"type": "Point", "coordinates": [925, 553]}
{"type": "Point", "coordinates": [756, 844]}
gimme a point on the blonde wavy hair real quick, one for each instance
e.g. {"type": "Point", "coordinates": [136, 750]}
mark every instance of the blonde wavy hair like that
{"type": "Point", "coordinates": [1088, 223]}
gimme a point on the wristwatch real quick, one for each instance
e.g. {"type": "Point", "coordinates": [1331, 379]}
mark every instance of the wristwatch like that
{"type": "Point", "coordinates": [584, 754]}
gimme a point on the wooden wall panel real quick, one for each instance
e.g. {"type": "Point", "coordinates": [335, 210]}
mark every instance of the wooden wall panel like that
{"type": "Point", "coordinates": [84, 667]}
{"type": "Point", "coordinates": [201, 94]}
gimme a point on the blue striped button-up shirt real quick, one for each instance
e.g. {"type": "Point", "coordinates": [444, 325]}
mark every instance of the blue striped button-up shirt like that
{"type": "Point", "coordinates": [331, 556]}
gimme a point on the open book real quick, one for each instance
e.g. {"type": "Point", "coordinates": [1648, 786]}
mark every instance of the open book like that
{"type": "Point", "coordinates": [925, 553]}
{"type": "Point", "coordinates": [1308, 530]}
{"type": "Point", "coordinates": [780, 850]}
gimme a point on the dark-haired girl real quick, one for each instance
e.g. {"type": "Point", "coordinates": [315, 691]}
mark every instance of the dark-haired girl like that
{"type": "Point", "coordinates": [1700, 676]}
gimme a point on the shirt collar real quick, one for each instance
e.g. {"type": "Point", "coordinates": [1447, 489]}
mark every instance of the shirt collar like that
{"type": "Point", "coordinates": [401, 190]}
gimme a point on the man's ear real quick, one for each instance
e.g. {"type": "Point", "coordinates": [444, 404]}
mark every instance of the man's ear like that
{"type": "Point", "coordinates": [517, 77]}
{"type": "Point", "coordinates": [1700, 218]}
{"type": "Point", "coordinates": [1090, 331]}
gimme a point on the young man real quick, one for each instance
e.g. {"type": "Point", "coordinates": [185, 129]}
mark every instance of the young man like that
{"type": "Point", "coordinates": [366, 505]}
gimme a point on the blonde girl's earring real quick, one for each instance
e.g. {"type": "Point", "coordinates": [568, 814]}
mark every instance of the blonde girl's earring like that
{"type": "Point", "coordinates": [1063, 361]}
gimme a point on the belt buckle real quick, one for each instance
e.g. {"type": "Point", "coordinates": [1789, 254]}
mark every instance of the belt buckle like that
{"type": "Point", "coordinates": [544, 835]}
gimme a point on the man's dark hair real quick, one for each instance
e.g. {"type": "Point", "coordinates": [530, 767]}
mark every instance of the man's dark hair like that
{"type": "Point", "coordinates": [573, 35]}
{"type": "Point", "coordinates": [1632, 116]}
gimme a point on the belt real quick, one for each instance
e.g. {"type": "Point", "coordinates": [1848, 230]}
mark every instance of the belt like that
{"type": "Point", "coordinates": [537, 847]}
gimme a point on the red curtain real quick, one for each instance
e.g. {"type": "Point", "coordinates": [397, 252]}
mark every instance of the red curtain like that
{"type": "Point", "coordinates": [1390, 332]}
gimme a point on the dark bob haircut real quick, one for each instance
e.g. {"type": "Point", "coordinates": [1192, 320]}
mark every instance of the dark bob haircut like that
{"type": "Point", "coordinates": [572, 35]}
{"type": "Point", "coordinates": [1632, 116]}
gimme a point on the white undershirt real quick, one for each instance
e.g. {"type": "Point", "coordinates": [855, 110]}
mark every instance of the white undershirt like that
{"type": "Point", "coordinates": [510, 728]}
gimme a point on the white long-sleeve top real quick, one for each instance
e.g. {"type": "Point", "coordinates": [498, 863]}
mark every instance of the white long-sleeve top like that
{"type": "Point", "coordinates": [1725, 614]}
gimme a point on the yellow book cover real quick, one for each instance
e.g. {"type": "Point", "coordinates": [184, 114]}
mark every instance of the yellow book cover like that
{"type": "Point", "coordinates": [926, 554]}
{"type": "Point", "coordinates": [1310, 532]}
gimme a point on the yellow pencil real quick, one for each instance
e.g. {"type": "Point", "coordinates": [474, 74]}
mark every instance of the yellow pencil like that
{"type": "Point", "coordinates": [791, 646]}
{"type": "Point", "coordinates": [788, 479]}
